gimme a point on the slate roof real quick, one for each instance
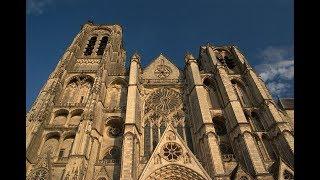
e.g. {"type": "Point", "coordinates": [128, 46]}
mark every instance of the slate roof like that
{"type": "Point", "coordinates": [286, 103]}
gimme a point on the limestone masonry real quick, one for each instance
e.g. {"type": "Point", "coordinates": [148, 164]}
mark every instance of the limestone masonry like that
{"type": "Point", "coordinates": [214, 119]}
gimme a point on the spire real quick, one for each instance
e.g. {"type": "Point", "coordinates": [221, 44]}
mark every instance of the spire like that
{"type": "Point", "coordinates": [135, 57]}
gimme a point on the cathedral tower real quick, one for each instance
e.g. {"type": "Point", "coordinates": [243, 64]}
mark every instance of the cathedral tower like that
{"type": "Point", "coordinates": [214, 119]}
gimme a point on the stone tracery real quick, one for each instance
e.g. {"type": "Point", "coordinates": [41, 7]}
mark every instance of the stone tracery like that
{"type": "Point", "coordinates": [164, 101]}
{"type": "Point", "coordinates": [174, 172]}
{"type": "Point", "coordinates": [78, 89]}
{"type": "Point", "coordinates": [162, 71]}
{"type": "Point", "coordinates": [171, 151]}
{"type": "Point", "coordinates": [39, 174]}
{"type": "Point", "coordinates": [163, 106]}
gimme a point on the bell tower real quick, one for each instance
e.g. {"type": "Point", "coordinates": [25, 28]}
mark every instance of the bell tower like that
{"type": "Point", "coordinates": [67, 119]}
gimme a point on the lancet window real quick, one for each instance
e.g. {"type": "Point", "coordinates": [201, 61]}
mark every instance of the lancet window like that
{"type": "Point", "coordinates": [77, 90]}
{"type": "Point", "coordinates": [102, 46]}
{"type": "Point", "coordinates": [90, 46]}
{"type": "Point", "coordinates": [241, 93]}
{"type": "Point", "coordinates": [212, 93]}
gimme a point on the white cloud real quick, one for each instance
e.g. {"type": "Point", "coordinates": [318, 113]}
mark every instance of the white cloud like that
{"type": "Point", "coordinates": [273, 53]}
{"type": "Point", "coordinates": [37, 6]}
{"type": "Point", "coordinates": [277, 69]}
{"type": "Point", "coordinates": [282, 69]}
{"type": "Point", "coordinates": [279, 88]}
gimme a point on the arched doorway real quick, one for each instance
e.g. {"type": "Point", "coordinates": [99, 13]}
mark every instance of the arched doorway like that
{"type": "Point", "coordinates": [174, 172]}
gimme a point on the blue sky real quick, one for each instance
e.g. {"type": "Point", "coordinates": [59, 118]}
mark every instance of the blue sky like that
{"type": "Point", "coordinates": [263, 30]}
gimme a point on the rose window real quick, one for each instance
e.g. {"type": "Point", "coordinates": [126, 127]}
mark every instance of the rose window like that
{"type": "Point", "coordinates": [164, 100]}
{"type": "Point", "coordinates": [171, 151]}
{"type": "Point", "coordinates": [162, 71]}
{"type": "Point", "coordinates": [40, 174]}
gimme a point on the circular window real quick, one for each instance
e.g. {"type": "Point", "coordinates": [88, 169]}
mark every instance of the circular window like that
{"type": "Point", "coordinates": [171, 151]}
{"type": "Point", "coordinates": [40, 174]}
{"type": "Point", "coordinates": [162, 71]}
{"type": "Point", "coordinates": [164, 100]}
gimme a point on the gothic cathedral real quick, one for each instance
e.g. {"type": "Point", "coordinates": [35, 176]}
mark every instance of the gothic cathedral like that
{"type": "Point", "coordinates": [95, 119]}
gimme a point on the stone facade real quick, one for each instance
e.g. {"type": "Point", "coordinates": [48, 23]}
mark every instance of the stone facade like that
{"type": "Point", "coordinates": [214, 119]}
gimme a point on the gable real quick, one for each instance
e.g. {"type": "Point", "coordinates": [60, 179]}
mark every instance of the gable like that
{"type": "Point", "coordinates": [160, 69]}
{"type": "Point", "coordinates": [103, 174]}
{"type": "Point", "coordinates": [173, 159]}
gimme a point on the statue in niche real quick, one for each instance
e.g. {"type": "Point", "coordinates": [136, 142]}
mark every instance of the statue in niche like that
{"type": "Point", "coordinates": [187, 158]}
{"type": "Point", "coordinates": [157, 159]}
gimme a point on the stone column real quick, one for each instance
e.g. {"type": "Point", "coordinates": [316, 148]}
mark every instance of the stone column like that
{"type": "Point", "coordinates": [78, 161]}
{"type": "Point", "coordinates": [201, 110]}
{"type": "Point", "coordinates": [131, 116]}
{"type": "Point", "coordinates": [93, 154]}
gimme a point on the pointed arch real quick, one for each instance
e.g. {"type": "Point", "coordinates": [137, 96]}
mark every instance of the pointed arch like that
{"type": "Point", "coordinates": [90, 46]}
{"type": "Point", "coordinates": [269, 147]}
{"type": "Point", "coordinates": [212, 93]}
{"type": "Point", "coordinates": [102, 45]}
{"type": "Point", "coordinates": [51, 143]}
{"type": "Point", "coordinates": [77, 89]}
{"type": "Point", "coordinates": [116, 96]}
{"type": "Point", "coordinates": [174, 171]}
{"type": "Point", "coordinates": [119, 81]}
{"type": "Point", "coordinates": [241, 92]}
{"type": "Point", "coordinates": [180, 130]}
{"type": "Point", "coordinates": [66, 145]}
{"type": "Point", "coordinates": [155, 136]}
{"type": "Point", "coordinates": [60, 116]}
{"type": "Point", "coordinates": [147, 144]}
{"type": "Point", "coordinates": [261, 147]}
{"type": "Point", "coordinates": [162, 127]}
{"type": "Point", "coordinates": [219, 125]}
{"type": "Point", "coordinates": [75, 116]}
{"type": "Point", "coordinates": [189, 137]}
{"type": "Point", "coordinates": [256, 120]}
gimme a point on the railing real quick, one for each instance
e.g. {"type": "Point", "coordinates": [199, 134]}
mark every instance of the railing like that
{"type": "Point", "coordinates": [115, 109]}
{"type": "Point", "coordinates": [104, 162]}
{"type": "Point", "coordinates": [161, 81]}
{"type": "Point", "coordinates": [60, 126]}
{"type": "Point", "coordinates": [68, 104]}
{"type": "Point", "coordinates": [83, 71]}
{"type": "Point", "coordinates": [228, 157]}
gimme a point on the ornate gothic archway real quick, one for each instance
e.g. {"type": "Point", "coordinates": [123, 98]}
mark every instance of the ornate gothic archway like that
{"type": "Point", "coordinates": [174, 172]}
